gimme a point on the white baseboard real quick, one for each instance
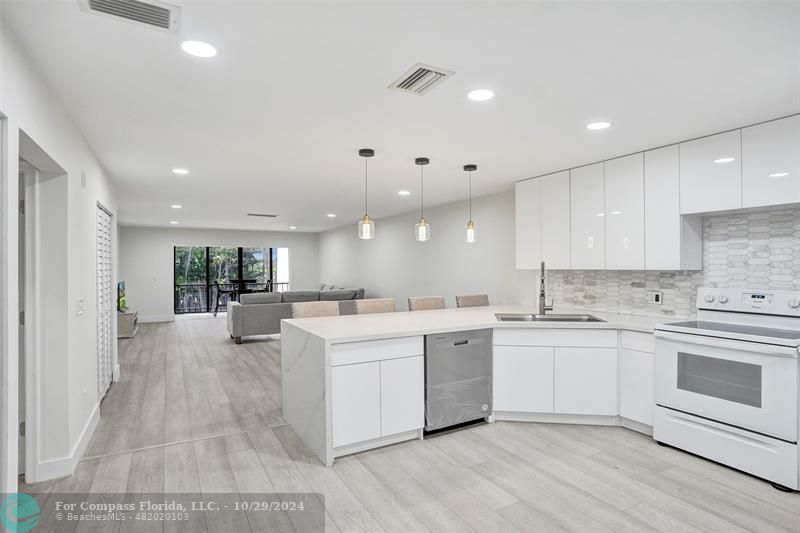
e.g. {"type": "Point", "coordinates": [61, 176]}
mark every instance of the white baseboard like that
{"type": "Point", "coordinates": [115, 374]}
{"type": "Point", "coordinates": [144, 319]}
{"type": "Point", "coordinates": [553, 418]}
{"type": "Point", "coordinates": [65, 466]}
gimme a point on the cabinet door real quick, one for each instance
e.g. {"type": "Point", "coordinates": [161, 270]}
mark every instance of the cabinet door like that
{"type": "Point", "coordinates": [402, 395]}
{"type": "Point", "coordinates": [624, 209]}
{"type": "Point", "coordinates": [586, 381]}
{"type": "Point", "coordinates": [771, 163]}
{"type": "Point", "coordinates": [555, 220]}
{"type": "Point", "coordinates": [356, 396]}
{"type": "Point", "coordinates": [711, 173]}
{"type": "Point", "coordinates": [523, 379]}
{"type": "Point", "coordinates": [636, 399]}
{"type": "Point", "coordinates": [528, 224]}
{"type": "Point", "coordinates": [671, 242]}
{"type": "Point", "coordinates": [587, 228]}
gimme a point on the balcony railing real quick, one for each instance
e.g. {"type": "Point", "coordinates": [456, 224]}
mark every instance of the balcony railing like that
{"type": "Point", "coordinates": [202, 298]}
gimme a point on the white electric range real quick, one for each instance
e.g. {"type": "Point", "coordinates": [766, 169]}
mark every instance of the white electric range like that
{"type": "Point", "coordinates": [726, 384]}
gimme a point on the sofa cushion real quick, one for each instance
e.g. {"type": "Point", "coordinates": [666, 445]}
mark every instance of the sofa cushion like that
{"type": "Point", "coordinates": [260, 298]}
{"type": "Point", "coordinates": [300, 296]}
{"type": "Point", "coordinates": [338, 294]}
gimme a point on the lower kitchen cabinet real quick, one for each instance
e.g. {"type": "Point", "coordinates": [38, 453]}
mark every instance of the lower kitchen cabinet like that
{"type": "Point", "coordinates": [356, 403]}
{"type": "Point", "coordinates": [586, 381]}
{"type": "Point", "coordinates": [377, 399]}
{"type": "Point", "coordinates": [523, 379]}
{"type": "Point", "coordinates": [636, 385]}
{"type": "Point", "coordinates": [402, 395]}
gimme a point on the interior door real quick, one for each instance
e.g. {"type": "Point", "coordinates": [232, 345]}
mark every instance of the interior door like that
{"type": "Point", "coordinates": [105, 302]}
{"type": "Point", "coordinates": [21, 369]}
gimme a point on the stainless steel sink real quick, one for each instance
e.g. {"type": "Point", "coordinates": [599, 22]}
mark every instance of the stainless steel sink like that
{"type": "Point", "coordinates": [528, 317]}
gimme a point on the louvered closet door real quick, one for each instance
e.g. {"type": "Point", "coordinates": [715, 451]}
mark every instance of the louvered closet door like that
{"type": "Point", "coordinates": [105, 303]}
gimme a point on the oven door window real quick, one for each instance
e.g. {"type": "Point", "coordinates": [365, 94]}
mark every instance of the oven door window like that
{"type": "Point", "coordinates": [721, 378]}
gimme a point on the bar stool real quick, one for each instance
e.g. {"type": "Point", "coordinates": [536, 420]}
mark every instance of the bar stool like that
{"type": "Point", "coordinates": [425, 303]}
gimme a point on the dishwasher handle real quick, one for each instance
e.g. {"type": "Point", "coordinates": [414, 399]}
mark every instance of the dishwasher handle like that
{"type": "Point", "coordinates": [461, 343]}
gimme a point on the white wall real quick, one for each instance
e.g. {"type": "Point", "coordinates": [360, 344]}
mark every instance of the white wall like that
{"type": "Point", "coordinates": [28, 104]}
{"type": "Point", "coordinates": [395, 265]}
{"type": "Point", "coordinates": [146, 261]}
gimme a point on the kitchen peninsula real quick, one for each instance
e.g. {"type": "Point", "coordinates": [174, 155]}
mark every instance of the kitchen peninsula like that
{"type": "Point", "coordinates": [357, 382]}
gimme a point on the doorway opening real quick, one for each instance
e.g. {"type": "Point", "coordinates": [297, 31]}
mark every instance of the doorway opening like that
{"type": "Point", "coordinates": [43, 308]}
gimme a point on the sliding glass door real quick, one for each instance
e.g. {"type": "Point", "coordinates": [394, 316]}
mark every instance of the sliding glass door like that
{"type": "Point", "coordinates": [209, 276]}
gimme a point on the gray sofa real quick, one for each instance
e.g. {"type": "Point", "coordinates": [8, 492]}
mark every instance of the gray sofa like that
{"type": "Point", "coordinates": [261, 313]}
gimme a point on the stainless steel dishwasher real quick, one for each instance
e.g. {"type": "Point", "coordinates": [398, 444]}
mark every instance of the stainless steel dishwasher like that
{"type": "Point", "coordinates": [458, 378]}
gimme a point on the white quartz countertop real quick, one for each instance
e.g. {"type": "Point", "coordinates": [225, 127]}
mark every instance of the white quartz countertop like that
{"type": "Point", "coordinates": [352, 328]}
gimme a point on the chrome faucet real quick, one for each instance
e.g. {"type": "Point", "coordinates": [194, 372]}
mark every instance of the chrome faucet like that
{"type": "Point", "coordinates": [542, 294]}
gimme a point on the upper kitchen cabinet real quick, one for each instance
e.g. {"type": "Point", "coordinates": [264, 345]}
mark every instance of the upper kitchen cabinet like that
{"type": "Point", "coordinates": [711, 173]}
{"type": "Point", "coordinates": [528, 224]}
{"type": "Point", "coordinates": [624, 213]}
{"type": "Point", "coordinates": [587, 227]}
{"type": "Point", "coordinates": [672, 242]}
{"type": "Point", "coordinates": [771, 163]}
{"type": "Point", "coordinates": [555, 213]}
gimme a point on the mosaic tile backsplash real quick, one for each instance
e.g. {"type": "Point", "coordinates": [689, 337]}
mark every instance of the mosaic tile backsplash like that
{"type": "Point", "coordinates": [748, 250]}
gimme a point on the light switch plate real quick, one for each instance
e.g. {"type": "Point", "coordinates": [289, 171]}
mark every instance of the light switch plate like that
{"type": "Point", "coordinates": [80, 306]}
{"type": "Point", "coordinates": [655, 297]}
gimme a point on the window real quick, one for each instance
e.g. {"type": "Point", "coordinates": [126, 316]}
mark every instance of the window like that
{"type": "Point", "coordinates": [203, 272]}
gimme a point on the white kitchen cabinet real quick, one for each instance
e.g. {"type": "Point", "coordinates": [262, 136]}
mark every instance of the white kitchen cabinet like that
{"type": "Point", "coordinates": [636, 397]}
{"type": "Point", "coordinates": [555, 220]}
{"type": "Point", "coordinates": [711, 173]}
{"type": "Point", "coordinates": [356, 403]}
{"type": "Point", "coordinates": [771, 163]}
{"type": "Point", "coordinates": [671, 241]}
{"type": "Point", "coordinates": [402, 395]}
{"type": "Point", "coordinates": [585, 381]}
{"type": "Point", "coordinates": [624, 213]}
{"type": "Point", "coordinates": [587, 227]}
{"type": "Point", "coordinates": [528, 224]}
{"type": "Point", "coordinates": [522, 379]}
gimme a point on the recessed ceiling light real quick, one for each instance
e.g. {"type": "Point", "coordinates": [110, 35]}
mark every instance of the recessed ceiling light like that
{"type": "Point", "coordinates": [176, 206]}
{"type": "Point", "coordinates": [331, 215]}
{"type": "Point", "coordinates": [292, 227]}
{"type": "Point", "coordinates": [724, 160]}
{"type": "Point", "coordinates": [616, 212]}
{"type": "Point", "coordinates": [173, 222]}
{"type": "Point", "coordinates": [180, 171]}
{"type": "Point", "coordinates": [480, 95]}
{"type": "Point", "coordinates": [595, 126]}
{"type": "Point", "coordinates": [404, 193]}
{"type": "Point", "coordinates": [198, 49]}
{"type": "Point", "coordinates": [779, 175]}
{"type": "Point", "coordinates": [601, 214]}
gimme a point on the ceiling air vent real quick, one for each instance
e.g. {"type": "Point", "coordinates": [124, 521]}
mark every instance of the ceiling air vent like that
{"type": "Point", "coordinates": [420, 79]}
{"type": "Point", "coordinates": [150, 13]}
{"type": "Point", "coordinates": [262, 215]}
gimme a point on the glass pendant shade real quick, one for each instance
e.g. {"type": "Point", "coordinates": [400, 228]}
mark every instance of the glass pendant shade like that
{"type": "Point", "coordinates": [470, 232]}
{"type": "Point", "coordinates": [366, 228]}
{"type": "Point", "coordinates": [422, 230]}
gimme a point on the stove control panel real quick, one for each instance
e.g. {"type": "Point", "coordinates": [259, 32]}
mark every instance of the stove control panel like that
{"type": "Point", "coordinates": [785, 303]}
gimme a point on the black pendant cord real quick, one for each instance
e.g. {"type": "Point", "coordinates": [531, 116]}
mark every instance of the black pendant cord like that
{"type": "Point", "coordinates": [366, 187]}
{"type": "Point", "coordinates": [422, 192]}
{"type": "Point", "coordinates": [470, 196]}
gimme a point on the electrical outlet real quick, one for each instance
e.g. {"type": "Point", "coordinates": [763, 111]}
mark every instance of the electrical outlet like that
{"type": "Point", "coordinates": [80, 307]}
{"type": "Point", "coordinates": [655, 297]}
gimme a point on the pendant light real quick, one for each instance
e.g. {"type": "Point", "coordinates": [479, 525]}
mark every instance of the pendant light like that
{"type": "Point", "coordinates": [366, 227]}
{"type": "Point", "coordinates": [470, 225]}
{"type": "Point", "coordinates": [422, 230]}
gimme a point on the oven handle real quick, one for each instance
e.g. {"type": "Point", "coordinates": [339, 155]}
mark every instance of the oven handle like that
{"type": "Point", "coordinates": [742, 346]}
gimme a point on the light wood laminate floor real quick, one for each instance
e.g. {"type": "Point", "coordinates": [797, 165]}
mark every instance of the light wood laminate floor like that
{"type": "Point", "coordinates": [196, 412]}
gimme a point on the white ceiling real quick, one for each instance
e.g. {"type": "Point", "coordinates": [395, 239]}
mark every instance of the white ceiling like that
{"type": "Point", "coordinates": [273, 123]}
